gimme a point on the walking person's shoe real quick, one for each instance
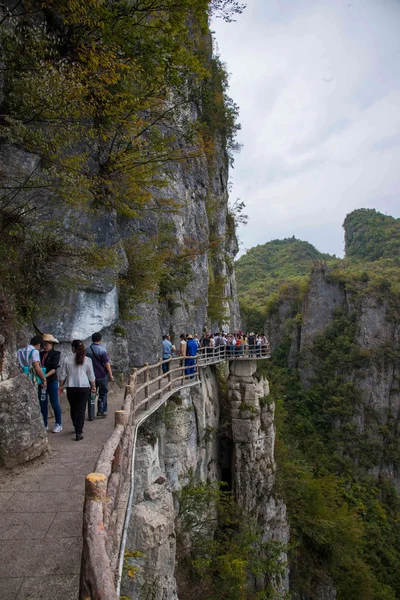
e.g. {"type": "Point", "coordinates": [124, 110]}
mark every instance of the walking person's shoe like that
{"type": "Point", "coordinates": [101, 415]}
{"type": "Point", "coordinates": [57, 428]}
{"type": "Point", "coordinates": [78, 437]}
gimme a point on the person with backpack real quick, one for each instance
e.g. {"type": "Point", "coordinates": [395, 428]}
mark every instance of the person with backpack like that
{"type": "Point", "coordinates": [77, 375]}
{"type": "Point", "coordinates": [50, 362]}
{"type": "Point", "coordinates": [29, 360]}
{"type": "Point", "coordinates": [103, 374]}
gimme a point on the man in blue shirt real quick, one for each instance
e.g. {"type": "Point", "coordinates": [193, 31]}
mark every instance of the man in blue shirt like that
{"type": "Point", "coordinates": [167, 349]}
{"type": "Point", "coordinates": [102, 372]}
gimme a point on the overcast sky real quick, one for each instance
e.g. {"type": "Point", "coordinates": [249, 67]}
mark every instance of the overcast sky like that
{"type": "Point", "coordinates": [318, 86]}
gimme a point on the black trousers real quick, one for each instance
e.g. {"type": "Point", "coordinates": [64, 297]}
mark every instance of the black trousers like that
{"type": "Point", "coordinates": [77, 398]}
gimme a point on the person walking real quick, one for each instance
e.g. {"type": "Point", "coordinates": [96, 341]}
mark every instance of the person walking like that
{"type": "Point", "coordinates": [29, 360]}
{"type": "Point", "coordinates": [103, 373]}
{"type": "Point", "coordinates": [50, 362]}
{"type": "Point", "coordinates": [252, 343]}
{"type": "Point", "coordinates": [77, 375]}
{"type": "Point", "coordinates": [191, 351]}
{"type": "Point", "coordinates": [167, 349]}
{"type": "Point", "coordinates": [182, 345]}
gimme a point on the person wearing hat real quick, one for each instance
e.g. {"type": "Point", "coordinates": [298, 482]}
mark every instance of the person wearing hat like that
{"type": "Point", "coordinates": [50, 360]}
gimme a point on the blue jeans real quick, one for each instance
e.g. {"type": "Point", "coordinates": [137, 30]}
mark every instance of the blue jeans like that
{"type": "Point", "coordinates": [102, 385]}
{"type": "Point", "coordinates": [52, 394]}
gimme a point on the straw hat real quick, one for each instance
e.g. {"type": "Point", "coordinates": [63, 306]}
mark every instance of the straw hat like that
{"type": "Point", "coordinates": [48, 337]}
{"type": "Point", "coordinates": [190, 337]}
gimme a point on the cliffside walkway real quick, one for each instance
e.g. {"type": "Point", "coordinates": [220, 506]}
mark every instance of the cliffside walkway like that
{"type": "Point", "coordinates": [109, 490]}
{"type": "Point", "coordinates": [42, 551]}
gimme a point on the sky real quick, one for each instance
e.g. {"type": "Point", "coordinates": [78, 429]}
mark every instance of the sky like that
{"type": "Point", "coordinates": [318, 87]}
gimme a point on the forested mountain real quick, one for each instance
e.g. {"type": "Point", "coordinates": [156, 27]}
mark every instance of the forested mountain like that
{"type": "Point", "coordinates": [334, 376]}
{"type": "Point", "coordinates": [262, 270]}
{"type": "Point", "coordinates": [370, 235]}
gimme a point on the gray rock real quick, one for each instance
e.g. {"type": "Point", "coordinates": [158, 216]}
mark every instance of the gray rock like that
{"type": "Point", "coordinates": [22, 434]}
{"type": "Point", "coordinates": [253, 437]}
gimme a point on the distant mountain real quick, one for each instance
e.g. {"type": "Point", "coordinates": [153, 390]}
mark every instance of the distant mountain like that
{"type": "Point", "coordinates": [263, 269]}
{"type": "Point", "coordinates": [370, 235]}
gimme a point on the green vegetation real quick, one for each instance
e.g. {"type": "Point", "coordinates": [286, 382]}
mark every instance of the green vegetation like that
{"type": "Point", "coordinates": [370, 235]}
{"type": "Point", "coordinates": [220, 549]}
{"type": "Point", "coordinates": [345, 525]}
{"type": "Point", "coordinates": [263, 269]}
{"type": "Point", "coordinates": [97, 113]}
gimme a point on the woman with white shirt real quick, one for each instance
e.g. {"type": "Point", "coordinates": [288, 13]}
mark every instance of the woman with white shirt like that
{"type": "Point", "coordinates": [78, 377]}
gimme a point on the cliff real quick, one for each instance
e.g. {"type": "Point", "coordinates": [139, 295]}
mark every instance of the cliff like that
{"type": "Point", "coordinates": [184, 450]}
{"type": "Point", "coordinates": [114, 157]}
{"type": "Point", "coordinates": [339, 430]}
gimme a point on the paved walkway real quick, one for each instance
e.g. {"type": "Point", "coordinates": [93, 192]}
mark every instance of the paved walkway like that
{"type": "Point", "coordinates": [41, 513]}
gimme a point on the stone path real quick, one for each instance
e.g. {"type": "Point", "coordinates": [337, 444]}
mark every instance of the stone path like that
{"type": "Point", "coordinates": [41, 513]}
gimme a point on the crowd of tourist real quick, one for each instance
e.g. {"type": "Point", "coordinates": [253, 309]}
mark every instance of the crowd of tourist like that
{"type": "Point", "coordinates": [84, 374]}
{"type": "Point", "coordinates": [235, 345]}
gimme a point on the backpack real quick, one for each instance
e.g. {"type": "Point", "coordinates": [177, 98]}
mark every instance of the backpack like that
{"type": "Point", "coordinates": [30, 371]}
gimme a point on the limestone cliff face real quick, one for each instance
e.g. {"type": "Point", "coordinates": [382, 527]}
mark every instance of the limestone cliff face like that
{"type": "Point", "coordinates": [378, 338]}
{"type": "Point", "coordinates": [92, 301]}
{"type": "Point", "coordinates": [173, 441]}
{"type": "Point", "coordinates": [78, 311]}
{"type": "Point", "coordinates": [182, 437]}
{"type": "Point", "coordinates": [253, 463]}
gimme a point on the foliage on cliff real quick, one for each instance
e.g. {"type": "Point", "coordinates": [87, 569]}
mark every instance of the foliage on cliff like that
{"type": "Point", "coordinates": [220, 548]}
{"type": "Point", "coordinates": [370, 235]}
{"type": "Point", "coordinates": [100, 101]}
{"type": "Point", "coordinates": [330, 438]}
{"type": "Point", "coordinates": [263, 269]}
{"type": "Point", "coordinates": [344, 524]}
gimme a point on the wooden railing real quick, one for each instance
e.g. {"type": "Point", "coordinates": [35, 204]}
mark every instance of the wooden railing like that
{"type": "Point", "coordinates": [109, 490]}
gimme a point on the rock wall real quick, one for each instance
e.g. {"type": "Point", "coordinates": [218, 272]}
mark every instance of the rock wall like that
{"type": "Point", "coordinates": [91, 301]}
{"type": "Point", "coordinates": [170, 443]}
{"type": "Point", "coordinates": [378, 338]}
{"type": "Point", "coordinates": [22, 434]}
{"type": "Point", "coordinates": [253, 463]}
{"type": "Point", "coordinates": [78, 311]}
{"type": "Point", "coordinates": [181, 438]}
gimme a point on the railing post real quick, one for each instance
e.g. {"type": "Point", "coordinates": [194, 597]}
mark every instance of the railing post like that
{"type": "Point", "coordinates": [147, 380]}
{"type": "Point", "coordinates": [169, 376]}
{"type": "Point", "coordinates": [183, 371]}
{"type": "Point", "coordinates": [96, 487]}
{"type": "Point", "coordinates": [133, 383]}
{"type": "Point", "coordinates": [121, 418]}
{"type": "Point", "coordinates": [160, 380]}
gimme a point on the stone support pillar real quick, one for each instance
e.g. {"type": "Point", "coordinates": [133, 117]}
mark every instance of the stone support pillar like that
{"type": "Point", "coordinates": [253, 463]}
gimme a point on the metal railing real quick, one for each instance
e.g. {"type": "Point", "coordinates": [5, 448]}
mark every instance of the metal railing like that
{"type": "Point", "coordinates": [109, 490]}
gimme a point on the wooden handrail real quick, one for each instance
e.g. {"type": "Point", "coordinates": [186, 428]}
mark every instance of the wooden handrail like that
{"type": "Point", "coordinates": [106, 500]}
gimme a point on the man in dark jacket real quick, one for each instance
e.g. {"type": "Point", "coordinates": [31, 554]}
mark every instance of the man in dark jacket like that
{"type": "Point", "coordinates": [102, 372]}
